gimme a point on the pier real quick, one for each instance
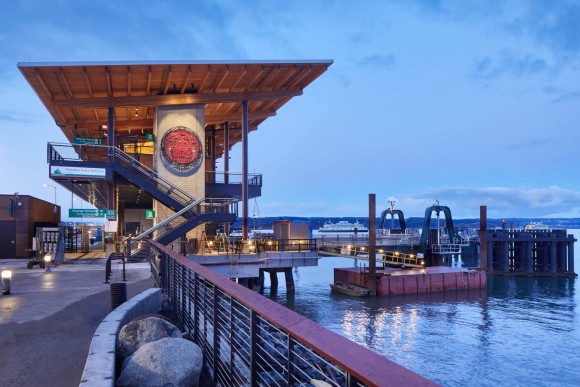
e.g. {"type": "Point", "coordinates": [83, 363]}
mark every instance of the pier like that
{"type": "Point", "coordinates": [529, 252]}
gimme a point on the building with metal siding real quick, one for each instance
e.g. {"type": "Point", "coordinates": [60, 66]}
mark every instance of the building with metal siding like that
{"type": "Point", "coordinates": [19, 217]}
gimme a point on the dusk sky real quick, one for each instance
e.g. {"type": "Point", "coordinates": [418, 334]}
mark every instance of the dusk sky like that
{"type": "Point", "coordinates": [467, 102]}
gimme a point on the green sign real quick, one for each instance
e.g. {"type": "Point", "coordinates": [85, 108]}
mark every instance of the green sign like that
{"type": "Point", "coordinates": [149, 214]}
{"type": "Point", "coordinates": [149, 137]}
{"type": "Point", "coordinates": [89, 141]}
{"type": "Point", "coordinates": [91, 213]}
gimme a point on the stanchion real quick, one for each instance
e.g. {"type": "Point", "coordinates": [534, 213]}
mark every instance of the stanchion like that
{"type": "Point", "coordinates": [118, 294]}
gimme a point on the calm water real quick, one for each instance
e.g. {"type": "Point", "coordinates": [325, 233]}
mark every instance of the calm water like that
{"type": "Point", "coordinates": [518, 331]}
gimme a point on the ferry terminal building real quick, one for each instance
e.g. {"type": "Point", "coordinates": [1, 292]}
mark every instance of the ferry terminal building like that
{"type": "Point", "coordinates": [144, 137]}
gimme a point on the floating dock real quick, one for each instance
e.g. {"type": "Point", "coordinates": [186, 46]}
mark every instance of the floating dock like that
{"type": "Point", "coordinates": [391, 281]}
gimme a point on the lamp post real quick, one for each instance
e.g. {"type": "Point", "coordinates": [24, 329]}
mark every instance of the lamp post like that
{"type": "Point", "coordinates": [49, 185]}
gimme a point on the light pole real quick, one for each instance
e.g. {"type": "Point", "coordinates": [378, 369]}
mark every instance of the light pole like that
{"type": "Point", "coordinates": [48, 185]}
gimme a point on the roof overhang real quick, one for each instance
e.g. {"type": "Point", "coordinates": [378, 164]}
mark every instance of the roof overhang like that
{"type": "Point", "coordinates": [78, 95]}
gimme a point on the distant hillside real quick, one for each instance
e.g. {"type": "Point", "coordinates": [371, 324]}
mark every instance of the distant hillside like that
{"type": "Point", "coordinates": [415, 222]}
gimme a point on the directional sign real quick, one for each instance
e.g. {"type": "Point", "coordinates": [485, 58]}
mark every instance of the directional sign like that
{"type": "Point", "coordinates": [149, 137]}
{"type": "Point", "coordinates": [149, 214]}
{"type": "Point", "coordinates": [91, 213]}
{"type": "Point", "coordinates": [89, 141]}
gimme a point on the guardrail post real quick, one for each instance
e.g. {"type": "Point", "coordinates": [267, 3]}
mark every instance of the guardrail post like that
{"type": "Point", "coordinates": [195, 307]}
{"type": "Point", "coordinates": [290, 345]}
{"type": "Point", "coordinates": [215, 321]}
{"type": "Point", "coordinates": [254, 334]}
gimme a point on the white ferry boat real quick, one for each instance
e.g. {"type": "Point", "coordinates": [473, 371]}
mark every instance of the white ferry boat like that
{"type": "Point", "coordinates": [343, 226]}
{"type": "Point", "coordinates": [533, 226]}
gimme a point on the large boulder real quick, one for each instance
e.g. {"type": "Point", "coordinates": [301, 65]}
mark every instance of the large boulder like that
{"type": "Point", "coordinates": [167, 362]}
{"type": "Point", "coordinates": [142, 331]}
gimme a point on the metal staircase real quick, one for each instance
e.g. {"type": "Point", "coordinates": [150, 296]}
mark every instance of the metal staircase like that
{"type": "Point", "coordinates": [189, 212]}
{"type": "Point", "coordinates": [145, 178]}
{"type": "Point", "coordinates": [203, 210]}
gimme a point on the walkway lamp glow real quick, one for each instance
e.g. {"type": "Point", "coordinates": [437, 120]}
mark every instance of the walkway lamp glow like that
{"type": "Point", "coordinates": [47, 259]}
{"type": "Point", "coordinates": [6, 279]}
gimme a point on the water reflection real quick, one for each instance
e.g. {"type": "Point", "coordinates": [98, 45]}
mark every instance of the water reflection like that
{"type": "Point", "coordinates": [520, 329]}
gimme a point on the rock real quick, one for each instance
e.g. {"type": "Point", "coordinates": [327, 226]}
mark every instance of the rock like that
{"type": "Point", "coordinates": [271, 378]}
{"type": "Point", "coordinates": [165, 362]}
{"type": "Point", "coordinates": [142, 331]}
{"type": "Point", "coordinates": [319, 383]}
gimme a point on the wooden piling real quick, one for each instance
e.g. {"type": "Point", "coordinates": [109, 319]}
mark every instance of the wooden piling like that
{"type": "Point", "coordinates": [372, 244]}
{"type": "Point", "coordinates": [483, 237]}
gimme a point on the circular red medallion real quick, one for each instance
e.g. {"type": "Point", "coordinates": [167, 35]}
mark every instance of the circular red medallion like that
{"type": "Point", "coordinates": [181, 151]}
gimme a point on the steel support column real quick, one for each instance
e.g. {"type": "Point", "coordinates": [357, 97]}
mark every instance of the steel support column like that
{"type": "Point", "coordinates": [245, 170]}
{"type": "Point", "coordinates": [373, 244]}
{"type": "Point", "coordinates": [226, 152]}
{"type": "Point", "coordinates": [227, 164]}
{"type": "Point", "coordinates": [213, 154]}
{"type": "Point", "coordinates": [570, 246]}
{"type": "Point", "coordinates": [111, 141]}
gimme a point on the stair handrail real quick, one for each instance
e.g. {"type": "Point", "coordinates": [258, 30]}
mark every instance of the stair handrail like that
{"type": "Point", "coordinates": [135, 164]}
{"type": "Point", "coordinates": [176, 215]}
{"type": "Point", "coordinates": [113, 153]}
{"type": "Point", "coordinates": [134, 242]}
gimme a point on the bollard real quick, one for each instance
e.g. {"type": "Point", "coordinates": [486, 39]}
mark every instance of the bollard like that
{"type": "Point", "coordinates": [47, 260]}
{"type": "Point", "coordinates": [6, 279]}
{"type": "Point", "coordinates": [118, 294]}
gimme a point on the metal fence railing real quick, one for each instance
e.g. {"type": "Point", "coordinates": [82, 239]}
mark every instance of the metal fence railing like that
{"type": "Point", "coordinates": [232, 178]}
{"type": "Point", "coordinates": [249, 340]}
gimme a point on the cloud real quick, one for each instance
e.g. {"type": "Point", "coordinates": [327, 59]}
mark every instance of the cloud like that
{"type": "Point", "coordinates": [294, 209]}
{"type": "Point", "coordinates": [554, 24]}
{"type": "Point", "coordinates": [567, 97]}
{"type": "Point", "coordinates": [464, 202]}
{"type": "Point", "coordinates": [518, 202]}
{"type": "Point", "coordinates": [378, 60]}
{"type": "Point", "coordinates": [508, 64]}
{"type": "Point", "coordinates": [528, 144]}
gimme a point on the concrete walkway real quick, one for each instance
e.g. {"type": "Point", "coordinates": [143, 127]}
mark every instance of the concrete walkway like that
{"type": "Point", "coordinates": [48, 320]}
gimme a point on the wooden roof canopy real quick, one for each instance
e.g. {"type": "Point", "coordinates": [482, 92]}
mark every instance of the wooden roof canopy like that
{"type": "Point", "coordinates": [78, 95]}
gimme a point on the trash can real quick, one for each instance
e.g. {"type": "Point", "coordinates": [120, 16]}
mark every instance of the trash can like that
{"type": "Point", "coordinates": [118, 294]}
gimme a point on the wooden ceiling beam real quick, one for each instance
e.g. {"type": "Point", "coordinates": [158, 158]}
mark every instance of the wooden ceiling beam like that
{"type": "Point", "coordinates": [129, 80]}
{"type": "Point", "coordinates": [219, 118]}
{"type": "Point", "coordinates": [185, 80]}
{"type": "Point", "coordinates": [87, 81]}
{"type": "Point", "coordinates": [109, 81]}
{"type": "Point", "coordinates": [221, 78]}
{"type": "Point", "coordinates": [207, 74]}
{"type": "Point", "coordinates": [62, 78]}
{"type": "Point", "coordinates": [240, 78]}
{"type": "Point", "coordinates": [148, 87]}
{"type": "Point", "coordinates": [169, 73]}
{"type": "Point", "coordinates": [123, 125]}
{"type": "Point", "coordinates": [175, 99]}
{"type": "Point", "coordinates": [254, 79]}
{"type": "Point", "coordinates": [299, 77]}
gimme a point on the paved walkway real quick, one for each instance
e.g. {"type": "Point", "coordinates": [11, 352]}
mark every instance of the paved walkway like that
{"type": "Point", "coordinates": [48, 320]}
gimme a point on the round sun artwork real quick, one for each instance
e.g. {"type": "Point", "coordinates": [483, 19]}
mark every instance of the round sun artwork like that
{"type": "Point", "coordinates": [181, 151]}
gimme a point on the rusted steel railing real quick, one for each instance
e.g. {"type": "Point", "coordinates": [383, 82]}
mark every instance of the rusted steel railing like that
{"type": "Point", "coordinates": [250, 340]}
